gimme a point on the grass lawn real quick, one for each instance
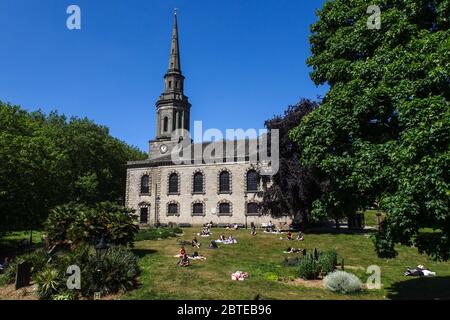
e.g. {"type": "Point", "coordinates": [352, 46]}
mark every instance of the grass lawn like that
{"type": "Point", "coordinates": [262, 258]}
{"type": "Point", "coordinates": [370, 217]}
{"type": "Point", "coordinates": [10, 243]}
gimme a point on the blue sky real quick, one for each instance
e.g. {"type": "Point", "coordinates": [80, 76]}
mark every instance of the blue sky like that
{"type": "Point", "coordinates": [244, 60]}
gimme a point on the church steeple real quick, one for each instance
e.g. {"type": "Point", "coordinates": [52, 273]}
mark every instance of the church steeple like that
{"type": "Point", "coordinates": [173, 107]}
{"type": "Point", "coordinates": [174, 61]}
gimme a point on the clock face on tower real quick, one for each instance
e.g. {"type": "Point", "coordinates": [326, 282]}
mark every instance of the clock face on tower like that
{"type": "Point", "coordinates": [163, 148]}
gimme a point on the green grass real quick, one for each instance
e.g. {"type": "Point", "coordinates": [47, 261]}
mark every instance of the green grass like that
{"type": "Point", "coordinates": [157, 233]}
{"type": "Point", "coordinates": [262, 257]}
{"type": "Point", "coordinates": [370, 217]}
{"type": "Point", "coordinates": [10, 243]}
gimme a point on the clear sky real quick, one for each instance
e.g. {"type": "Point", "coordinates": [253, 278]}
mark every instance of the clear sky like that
{"type": "Point", "coordinates": [244, 60]}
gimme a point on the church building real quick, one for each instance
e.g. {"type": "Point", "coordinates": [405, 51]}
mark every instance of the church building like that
{"type": "Point", "coordinates": [165, 192]}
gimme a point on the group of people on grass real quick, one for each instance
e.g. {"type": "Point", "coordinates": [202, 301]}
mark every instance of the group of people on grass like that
{"type": "Point", "coordinates": [205, 232]}
{"type": "Point", "coordinates": [300, 236]}
{"type": "Point", "coordinates": [185, 258]}
{"type": "Point", "coordinates": [226, 240]}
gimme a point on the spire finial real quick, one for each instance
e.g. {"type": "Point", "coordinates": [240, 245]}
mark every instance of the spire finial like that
{"type": "Point", "coordinates": [175, 11]}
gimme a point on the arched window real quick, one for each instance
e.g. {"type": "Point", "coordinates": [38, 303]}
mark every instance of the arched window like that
{"type": "Point", "coordinates": [166, 124]}
{"type": "Point", "coordinates": [252, 209]}
{"type": "Point", "coordinates": [198, 182]}
{"type": "Point", "coordinates": [224, 182]}
{"type": "Point", "coordinates": [172, 209]}
{"type": "Point", "coordinates": [173, 183]}
{"type": "Point", "coordinates": [145, 184]}
{"type": "Point", "coordinates": [224, 208]}
{"type": "Point", "coordinates": [197, 209]}
{"type": "Point", "coordinates": [252, 181]}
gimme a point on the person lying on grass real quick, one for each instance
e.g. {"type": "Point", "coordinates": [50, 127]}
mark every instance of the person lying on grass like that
{"type": "Point", "coordinates": [213, 245]}
{"type": "Point", "coordinates": [292, 250]}
{"type": "Point", "coordinates": [419, 271]}
{"type": "Point", "coordinates": [195, 243]}
{"type": "Point", "coordinates": [197, 256]}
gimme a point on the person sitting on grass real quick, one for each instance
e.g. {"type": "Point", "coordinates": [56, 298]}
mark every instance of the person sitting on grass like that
{"type": "Point", "coordinates": [184, 262]}
{"type": "Point", "coordinates": [222, 238]}
{"type": "Point", "coordinates": [195, 243]}
{"type": "Point", "coordinates": [289, 236]}
{"type": "Point", "coordinates": [231, 240]}
{"type": "Point", "coordinates": [205, 232]}
{"type": "Point", "coordinates": [300, 236]}
{"type": "Point", "coordinates": [182, 252]}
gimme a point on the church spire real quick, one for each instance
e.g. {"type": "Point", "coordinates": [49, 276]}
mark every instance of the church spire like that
{"type": "Point", "coordinates": [174, 61]}
{"type": "Point", "coordinates": [173, 107]}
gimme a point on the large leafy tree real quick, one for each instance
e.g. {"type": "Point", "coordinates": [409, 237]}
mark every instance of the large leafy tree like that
{"type": "Point", "coordinates": [48, 160]}
{"type": "Point", "coordinates": [294, 188]}
{"type": "Point", "coordinates": [381, 134]}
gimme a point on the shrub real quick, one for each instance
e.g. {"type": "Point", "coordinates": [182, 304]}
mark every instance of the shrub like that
{"type": "Point", "coordinates": [38, 260]}
{"type": "Point", "coordinates": [10, 271]}
{"type": "Point", "coordinates": [116, 271]}
{"type": "Point", "coordinates": [178, 230]}
{"type": "Point", "coordinates": [49, 283]}
{"type": "Point", "coordinates": [343, 282]}
{"type": "Point", "coordinates": [327, 261]}
{"type": "Point", "coordinates": [308, 269]}
{"type": "Point", "coordinates": [78, 223]}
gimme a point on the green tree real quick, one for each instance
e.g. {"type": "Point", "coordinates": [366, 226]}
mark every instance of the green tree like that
{"type": "Point", "coordinates": [47, 160]}
{"type": "Point", "coordinates": [381, 133]}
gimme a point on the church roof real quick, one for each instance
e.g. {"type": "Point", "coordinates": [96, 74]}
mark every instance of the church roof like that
{"type": "Point", "coordinates": [243, 146]}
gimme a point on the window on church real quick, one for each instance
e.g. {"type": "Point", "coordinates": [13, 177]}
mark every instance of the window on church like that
{"type": "Point", "coordinates": [252, 209]}
{"type": "Point", "coordinates": [252, 181]}
{"type": "Point", "coordinates": [180, 120]}
{"type": "Point", "coordinates": [166, 124]}
{"type": "Point", "coordinates": [170, 84]}
{"type": "Point", "coordinates": [172, 209]}
{"type": "Point", "coordinates": [173, 183]}
{"type": "Point", "coordinates": [197, 209]}
{"type": "Point", "coordinates": [145, 184]}
{"type": "Point", "coordinates": [224, 182]}
{"type": "Point", "coordinates": [198, 182]}
{"type": "Point", "coordinates": [224, 208]}
{"type": "Point", "coordinates": [144, 215]}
